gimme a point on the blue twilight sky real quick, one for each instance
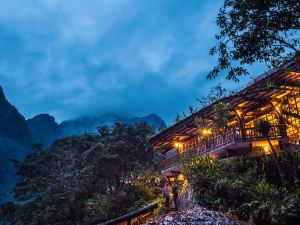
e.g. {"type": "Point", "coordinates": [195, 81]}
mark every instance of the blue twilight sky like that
{"type": "Point", "coordinates": [88, 57]}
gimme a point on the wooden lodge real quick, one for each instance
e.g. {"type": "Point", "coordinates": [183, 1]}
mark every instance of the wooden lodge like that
{"type": "Point", "coordinates": [274, 96]}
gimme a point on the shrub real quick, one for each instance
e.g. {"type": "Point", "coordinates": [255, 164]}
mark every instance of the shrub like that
{"type": "Point", "coordinates": [249, 187]}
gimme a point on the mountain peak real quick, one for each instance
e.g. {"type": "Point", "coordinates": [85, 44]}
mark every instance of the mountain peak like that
{"type": "Point", "coordinates": [44, 129]}
{"type": "Point", "coordinates": [15, 142]}
{"type": "Point", "coordinates": [1, 92]}
{"type": "Point", "coordinates": [3, 100]}
{"type": "Point", "coordinates": [43, 117]}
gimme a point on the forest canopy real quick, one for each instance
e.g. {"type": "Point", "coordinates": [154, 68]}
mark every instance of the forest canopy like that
{"type": "Point", "coordinates": [85, 179]}
{"type": "Point", "coordinates": [252, 31]}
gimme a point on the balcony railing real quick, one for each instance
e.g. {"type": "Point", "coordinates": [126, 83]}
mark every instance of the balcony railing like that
{"type": "Point", "coordinates": [232, 136]}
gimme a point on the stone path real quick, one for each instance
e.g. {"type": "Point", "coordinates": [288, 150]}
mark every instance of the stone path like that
{"type": "Point", "coordinates": [195, 215]}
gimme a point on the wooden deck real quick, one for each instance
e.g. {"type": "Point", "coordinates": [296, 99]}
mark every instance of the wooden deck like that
{"type": "Point", "coordinates": [232, 136]}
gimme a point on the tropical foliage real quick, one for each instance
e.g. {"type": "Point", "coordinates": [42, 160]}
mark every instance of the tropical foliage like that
{"type": "Point", "coordinates": [264, 127]}
{"type": "Point", "coordinates": [85, 179]}
{"type": "Point", "coordinates": [248, 187]}
{"type": "Point", "coordinates": [255, 31]}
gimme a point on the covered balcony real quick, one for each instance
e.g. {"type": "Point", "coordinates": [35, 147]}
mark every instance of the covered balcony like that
{"type": "Point", "coordinates": [275, 97]}
{"type": "Point", "coordinates": [234, 138]}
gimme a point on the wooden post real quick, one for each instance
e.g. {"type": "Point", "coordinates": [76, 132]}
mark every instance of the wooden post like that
{"type": "Point", "coordinates": [242, 127]}
{"type": "Point", "coordinates": [295, 99]}
{"type": "Point", "coordinates": [241, 122]}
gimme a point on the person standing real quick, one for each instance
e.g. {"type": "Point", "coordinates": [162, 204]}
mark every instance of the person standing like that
{"type": "Point", "coordinates": [166, 195]}
{"type": "Point", "coordinates": [175, 193]}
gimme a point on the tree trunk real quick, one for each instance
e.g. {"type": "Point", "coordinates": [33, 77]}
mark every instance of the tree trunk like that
{"type": "Point", "coordinates": [279, 168]}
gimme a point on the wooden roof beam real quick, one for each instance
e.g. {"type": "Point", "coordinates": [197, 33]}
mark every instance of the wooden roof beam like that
{"type": "Point", "coordinates": [254, 107]}
{"type": "Point", "coordinates": [182, 134]}
{"type": "Point", "coordinates": [259, 100]}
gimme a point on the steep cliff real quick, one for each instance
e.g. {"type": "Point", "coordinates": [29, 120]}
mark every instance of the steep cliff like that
{"type": "Point", "coordinates": [15, 142]}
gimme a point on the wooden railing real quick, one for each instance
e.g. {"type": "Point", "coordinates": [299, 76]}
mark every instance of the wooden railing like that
{"type": "Point", "coordinates": [294, 141]}
{"type": "Point", "coordinates": [176, 159]}
{"type": "Point", "coordinates": [232, 136]}
{"type": "Point", "coordinates": [277, 131]}
{"type": "Point", "coordinates": [134, 218]}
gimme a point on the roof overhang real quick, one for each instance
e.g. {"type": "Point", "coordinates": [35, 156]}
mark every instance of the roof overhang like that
{"type": "Point", "coordinates": [285, 78]}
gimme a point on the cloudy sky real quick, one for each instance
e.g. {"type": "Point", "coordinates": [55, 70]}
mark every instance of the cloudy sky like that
{"type": "Point", "coordinates": [89, 57]}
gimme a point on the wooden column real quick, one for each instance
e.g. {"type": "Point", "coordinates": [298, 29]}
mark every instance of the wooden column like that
{"type": "Point", "coordinates": [281, 120]}
{"type": "Point", "coordinates": [241, 122]}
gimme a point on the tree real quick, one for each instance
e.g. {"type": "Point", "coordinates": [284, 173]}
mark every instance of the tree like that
{"type": "Point", "coordinates": [221, 117]}
{"type": "Point", "coordinates": [255, 31]}
{"type": "Point", "coordinates": [221, 110]}
{"type": "Point", "coordinates": [264, 126]}
{"type": "Point", "coordinates": [215, 94]}
{"type": "Point", "coordinates": [178, 118]}
{"type": "Point", "coordinates": [84, 179]}
{"type": "Point", "coordinates": [219, 122]}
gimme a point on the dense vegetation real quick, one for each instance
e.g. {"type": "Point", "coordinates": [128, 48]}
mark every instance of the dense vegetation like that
{"type": "Point", "coordinates": [255, 31]}
{"type": "Point", "coordinates": [85, 179]}
{"type": "Point", "coordinates": [249, 187]}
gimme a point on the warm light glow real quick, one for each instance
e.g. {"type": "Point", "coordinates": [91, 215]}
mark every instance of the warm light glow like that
{"type": "Point", "coordinates": [267, 149]}
{"type": "Point", "coordinates": [264, 146]}
{"type": "Point", "coordinates": [206, 132]}
{"type": "Point", "coordinates": [277, 107]}
{"type": "Point", "coordinates": [184, 187]}
{"type": "Point", "coordinates": [180, 177]}
{"type": "Point", "coordinates": [178, 145]}
{"type": "Point", "coordinates": [264, 143]}
{"type": "Point", "coordinates": [239, 113]}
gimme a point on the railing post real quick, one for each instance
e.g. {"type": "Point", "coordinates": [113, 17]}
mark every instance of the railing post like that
{"type": "Point", "coordinates": [242, 128]}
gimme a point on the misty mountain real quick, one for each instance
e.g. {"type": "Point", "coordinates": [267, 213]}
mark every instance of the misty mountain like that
{"type": "Point", "coordinates": [17, 135]}
{"type": "Point", "coordinates": [15, 142]}
{"type": "Point", "coordinates": [44, 129]}
{"type": "Point", "coordinates": [89, 124]}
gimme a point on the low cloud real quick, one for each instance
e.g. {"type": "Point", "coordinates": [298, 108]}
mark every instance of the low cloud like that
{"type": "Point", "coordinates": [74, 57]}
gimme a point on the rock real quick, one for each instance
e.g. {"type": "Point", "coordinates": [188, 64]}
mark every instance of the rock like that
{"type": "Point", "coordinates": [195, 215]}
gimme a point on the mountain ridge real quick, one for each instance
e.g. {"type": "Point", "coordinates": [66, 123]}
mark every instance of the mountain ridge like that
{"type": "Point", "coordinates": [44, 129]}
{"type": "Point", "coordinates": [89, 124]}
{"type": "Point", "coordinates": [18, 134]}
